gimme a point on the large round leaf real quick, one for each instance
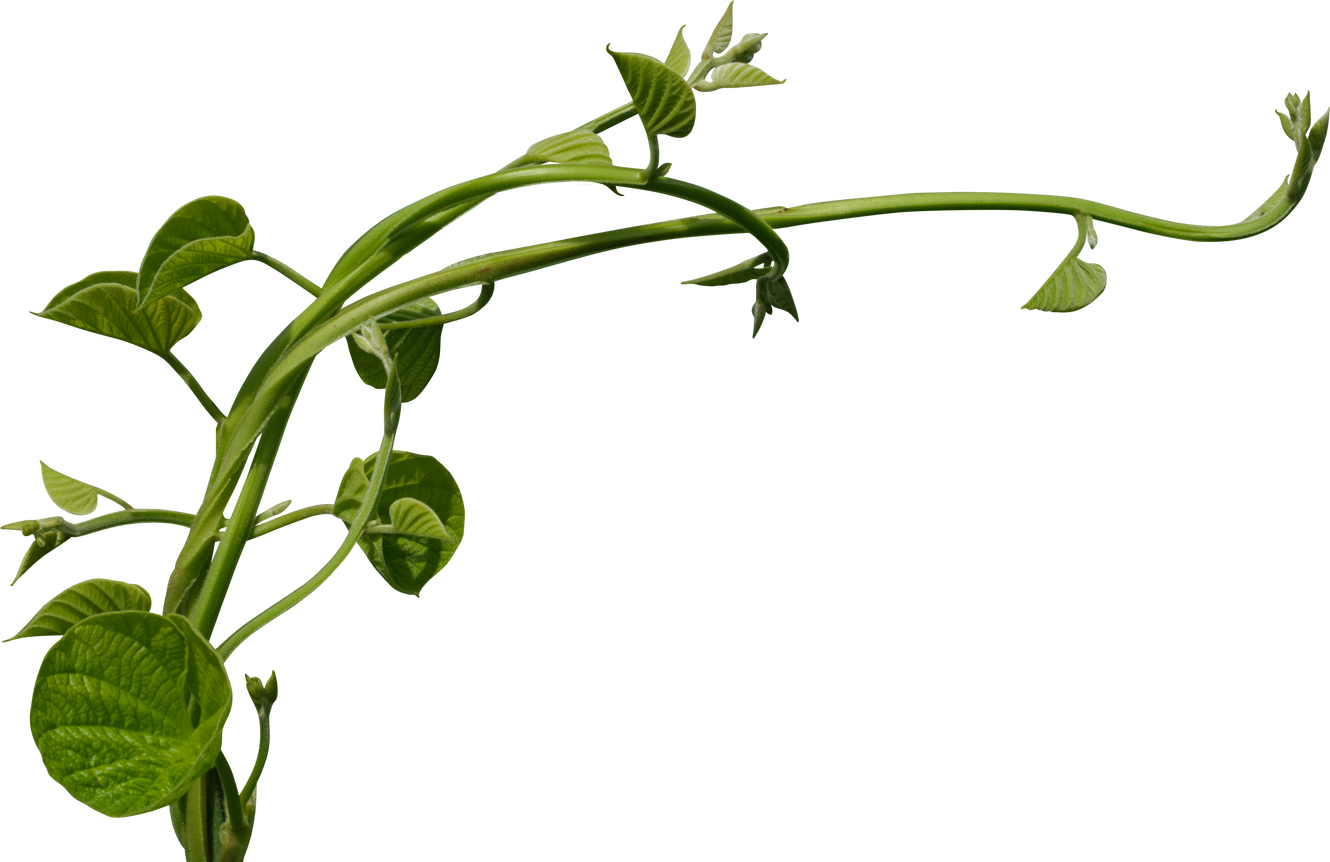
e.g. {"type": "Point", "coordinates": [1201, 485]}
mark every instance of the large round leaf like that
{"type": "Point", "coordinates": [111, 716]}
{"type": "Point", "coordinates": [420, 509]}
{"type": "Point", "coordinates": [201, 237]}
{"type": "Point", "coordinates": [416, 349]}
{"type": "Point", "coordinates": [107, 304]}
{"type": "Point", "coordinates": [89, 598]}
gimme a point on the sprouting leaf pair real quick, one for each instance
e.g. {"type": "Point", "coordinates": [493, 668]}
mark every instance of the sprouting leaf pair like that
{"type": "Point", "coordinates": [662, 92]}
{"type": "Point", "coordinates": [1307, 137]}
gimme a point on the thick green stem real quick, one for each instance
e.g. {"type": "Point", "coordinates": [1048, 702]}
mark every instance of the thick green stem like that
{"type": "Point", "coordinates": [241, 635]}
{"type": "Point", "coordinates": [209, 603]}
{"type": "Point", "coordinates": [198, 841]}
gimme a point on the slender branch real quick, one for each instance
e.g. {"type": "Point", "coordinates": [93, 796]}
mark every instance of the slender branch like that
{"type": "Point", "coordinates": [486, 292]}
{"type": "Point", "coordinates": [265, 737]}
{"type": "Point", "coordinates": [291, 274]}
{"type": "Point", "coordinates": [182, 373]}
{"type": "Point", "coordinates": [75, 529]}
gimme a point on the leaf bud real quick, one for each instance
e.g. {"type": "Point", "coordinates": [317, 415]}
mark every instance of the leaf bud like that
{"type": "Point", "coordinates": [749, 45]}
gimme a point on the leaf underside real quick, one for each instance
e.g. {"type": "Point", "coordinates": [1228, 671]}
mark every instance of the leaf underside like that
{"type": "Point", "coordinates": [739, 75]}
{"type": "Point", "coordinates": [1072, 286]}
{"type": "Point", "coordinates": [663, 99]}
{"type": "Point", "coordinates": [680, 59]}
{"type": "Point", "coordinates": [578, 147]}
{"type": "Point", "coordinates": [75, 497]}
{"type": "Point", "coordinates": [106, 303]}
{"type": "Point", "coordinates": [89, 598]}
{"type": "Point", "coordinates": [201, 237]}
{"type": "Point", "coordinates": [417, 351]}
{"type": "Point", "coordinates": [51, 540]}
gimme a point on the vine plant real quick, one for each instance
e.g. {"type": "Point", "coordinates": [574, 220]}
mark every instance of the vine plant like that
{"type": "Point", "coordinates": [132, 696]}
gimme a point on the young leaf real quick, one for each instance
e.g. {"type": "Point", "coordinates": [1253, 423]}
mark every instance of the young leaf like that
{"type": "Point", "coordinates": [201, 237]}
{"type": "Point", "coordinates": [737, 75]}
{"type": "Point", "coordinates": [1308, 135]}
{"type": "Point", "coordinates": [413, 518]}
{"type": "Point", "coordinates": [662, 97]}
{"type": "Point", "coordinates": [680, 55]}
{"type": "Point", "coordinates": [264, 696]}
{"type": "Point", "coordinates": [572, 146]}
{"type": "Point", "coordinates": [107, 304]}
{"type": "Point", "coordinates": [1075, 283]}
{"type": "Point", "coordinates": [111, 710]}
{"type": "Point", "coordinates": [780, 297]}
{"type": "Point", "coordinates": [43, 543]}
{"type": "Point", "coordinates": [96, 596]}
{"type": "Point", "coordinates": [721, 35]}
{"type": "Point", "coordinates": [75, 497]}
{"type": "Point", "coordinates": [737, 274]}
{"type": "Point", "coordinates": [272, 512]}
{"type": "Point", "coordinates": [417, 350]}
{"type": "Point", "coordinates": [407, 560]}
{"type": "Point", "coordinates": [1270, 203]}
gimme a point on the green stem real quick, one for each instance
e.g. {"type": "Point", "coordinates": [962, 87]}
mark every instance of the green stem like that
{"type": "Point", "coordinates": [209, 603]}
{"type": "Point", "coordinates": [194, 386]}
{"type": "Point", "coordinates": [464, 311]}
{"type": "Point", "coordinates": [265, 737]}
{"type": "Point", "coordinates": [234, 832]}
{"type": "Point", "coordinates": [610, 120]}
{"type": "Point", "coordinates": [198, 841]}
{"type": "Point", "coordinates": [75, 529]}
{"type": "Point", "coordinates": [653, 158]}
{"type": "Point", "coordinates": [242, 633]}
{"type": "Point", "coordinates": [291, 274]}
{"type": "Point", "coordinates": [940, 201]}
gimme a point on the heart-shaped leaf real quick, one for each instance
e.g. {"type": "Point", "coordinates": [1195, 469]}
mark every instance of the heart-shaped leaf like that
{"type": "Point", "coordinates": [75, 497]}
{"type": "Point", "coordinates": [201, 237]}
{"type": "Point", "coordinates": [111, 710]}
{"type": "Point", "coordinates": [106, 303]}
{"type": "Point", "coordinates": [97, 596]}
{"type": "Point", "coordinates": [413, 547]}
{"type": "Point", "coordinates": [1075, 283]}
{"type": "Point", "coordinates": [662, 97]}
{"type": "Point", "coordinates": [416, 349]}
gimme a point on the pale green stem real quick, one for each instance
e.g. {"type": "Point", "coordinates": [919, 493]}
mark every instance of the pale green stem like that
{"type": "Point", "coordinates": [610, 120]}
{"type": "Point", "coordinates": [75, 529]}
{"type": "Point", "coordinates": [653, 157]}
{"type": "Point", "coordinates": [234, 811]}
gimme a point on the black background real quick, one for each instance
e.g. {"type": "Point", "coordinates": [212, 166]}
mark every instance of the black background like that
{"type": "Point", "coordinates": [696, 566]}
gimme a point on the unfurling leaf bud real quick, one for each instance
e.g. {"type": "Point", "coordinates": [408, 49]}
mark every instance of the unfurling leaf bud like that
{"type": "Point", "coordinates": [749, 45]}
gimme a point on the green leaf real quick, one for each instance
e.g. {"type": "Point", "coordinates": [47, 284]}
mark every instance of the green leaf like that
{"type": "Point", "coordinates": [107, 304]}
{"type": "Point", "coordinates": [737, 75]}
{"type": "Point", "coordinates": [1270, 201]}
{"type": "Point", "coordinates": [407, 560]}
{"type": "Point", "coordinates": [413, 518]}
{"type": "Point", "coordinates": [662, 97]}
{"type": "Point", "coordinates": [97, 596]}
{"type": "Point", "coordinates": [572, 146]}
{"type": "Point", "coordinates": [417, 350]}
{"type": "Point", "coordinates": [721, 36]}
{"type": "Point", "coordinates": [737, 274]}
{"type": "Point", "coordinates": [201, 237]}
{"type": "Point", "coordinates": [272, 512]}
{"type": "Point", "coordinates": [43, 543]}
{"type": "Point", "coordinates": [1075, 283]}
{"type": "Point", "coordinates": [111, 710]}
{"type": "Point", "coordinates": [75, 497]}
{"type": "Point", "coordinates": [680, 53]}
{"type": "Point", "coordinates": [780, 297]}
